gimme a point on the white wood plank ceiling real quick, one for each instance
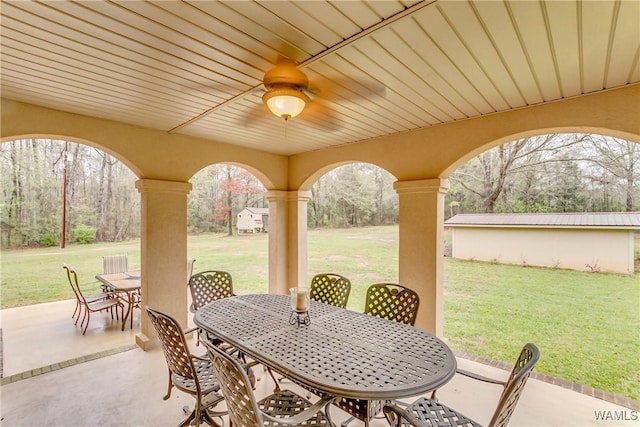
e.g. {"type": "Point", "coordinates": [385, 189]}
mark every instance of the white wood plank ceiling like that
{"type": "Point", "coordinates": [378, 67]}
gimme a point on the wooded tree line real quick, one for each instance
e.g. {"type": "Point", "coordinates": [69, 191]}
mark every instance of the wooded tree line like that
{"type": "Point", "coordinates": [101, 201]}
{"type": "Point", "coordinates": [548, 173]}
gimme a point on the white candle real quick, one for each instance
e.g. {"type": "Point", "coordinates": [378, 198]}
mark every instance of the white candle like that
{"type": "Point", "coordinates": [301, 300]}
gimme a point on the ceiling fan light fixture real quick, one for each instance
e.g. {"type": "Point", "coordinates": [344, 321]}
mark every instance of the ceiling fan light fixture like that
{"type": "Point", "coordinates": [285, 102]}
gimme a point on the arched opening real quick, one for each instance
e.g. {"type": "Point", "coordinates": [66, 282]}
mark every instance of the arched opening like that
{"type": "Point", "coordinates": [353, 227]}
{"type": "Point", "coordinates": [101, 212]}
{"type": "Point", "coordinates": [491, 303]}
{"type": "Point", "coordinates": [227, 223]}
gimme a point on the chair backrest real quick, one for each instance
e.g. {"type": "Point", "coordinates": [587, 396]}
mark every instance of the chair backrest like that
{"type": "Point", "coordinates": [209, 286]}
{"type": "Point", "coordinates": [114, 264]}
{"type": "Point", "coordinates": [330, 288]}
{"type": "Point", "coordinates": [392, 301]}
{"type": "Point", "coordinates": [513, 389]}
{"type": "Point", "coordinates": [73, 281]}
{"type": "Point", "coordinates": [236, 388]}
{"type": "Point", "coordinates": [174, 346]}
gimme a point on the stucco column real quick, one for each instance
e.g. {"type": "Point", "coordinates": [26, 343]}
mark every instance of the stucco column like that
{"type": "Point", "coordinates": [287, 239]}
{"type": "Point", "coordinates": [163, 252]}
{"type": "Point", "coordinates": [421, 246]}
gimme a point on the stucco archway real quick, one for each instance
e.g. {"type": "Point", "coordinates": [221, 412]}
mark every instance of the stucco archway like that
{"type": "Point", "coordinates": [419, 159]}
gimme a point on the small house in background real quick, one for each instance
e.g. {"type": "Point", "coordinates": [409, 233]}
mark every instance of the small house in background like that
{"type": "Point", "coordinates": [579, 241]}
{"type": "Point", "coordinates": [253, 220]}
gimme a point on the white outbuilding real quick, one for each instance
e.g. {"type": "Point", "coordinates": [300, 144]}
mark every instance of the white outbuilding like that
{"type": "Point", "coordinates": [253, 220]}
{"type": "Point", "coordinates": [579, 241]}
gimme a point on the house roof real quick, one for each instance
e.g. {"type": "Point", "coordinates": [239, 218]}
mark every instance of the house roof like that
{"type": "Point", "coordinates": [376, 67]}
{"type": "Point", "coordinates": [262, 211]}
{"type": "Point", "coordinates": [624, 220]}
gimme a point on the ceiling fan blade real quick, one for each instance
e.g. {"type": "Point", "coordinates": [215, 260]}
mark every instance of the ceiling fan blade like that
{"type": "Point", "coordinates": [318, 115]}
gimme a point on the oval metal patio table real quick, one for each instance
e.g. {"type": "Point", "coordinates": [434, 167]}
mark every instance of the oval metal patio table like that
{"type": "Point", "coordinates": [342, 353]}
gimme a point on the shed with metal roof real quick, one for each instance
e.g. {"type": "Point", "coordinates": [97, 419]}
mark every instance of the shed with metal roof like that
{"type": "Point", "coordinates": [595, 241]}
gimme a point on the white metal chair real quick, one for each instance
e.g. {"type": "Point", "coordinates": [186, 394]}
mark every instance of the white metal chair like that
{"type": "Point", "coordinates": [114, 264]}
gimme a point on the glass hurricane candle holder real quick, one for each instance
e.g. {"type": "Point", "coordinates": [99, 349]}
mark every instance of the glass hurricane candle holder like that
{"type": "Point", "coordinates": [299, 306]}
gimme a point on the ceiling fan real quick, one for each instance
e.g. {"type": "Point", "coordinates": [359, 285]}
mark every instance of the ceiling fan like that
{"type": "Point", "coordinates": [286, 89]}
{"type": "Point", "coordinates": [286, 92]}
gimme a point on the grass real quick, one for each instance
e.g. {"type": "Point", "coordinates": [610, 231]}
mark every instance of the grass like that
{"type": "Point", "coordinates": [587, 325]}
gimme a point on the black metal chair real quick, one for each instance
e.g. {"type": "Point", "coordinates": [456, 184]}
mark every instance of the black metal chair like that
{"type": "Point", "coordinates": [188, 373]}
{"type": "Point", "coordinates": [283, 407]}
{"type": "Point", "coordinates": [330, 288]}
{"type": "Point", "coordinates": [426, 412]}
{"type": "Point", "coordinates": [104, 301]}
{"type": "Point", "coordinates": [389, 301]}
{"type": "Point", "coordinates": [393, 302]}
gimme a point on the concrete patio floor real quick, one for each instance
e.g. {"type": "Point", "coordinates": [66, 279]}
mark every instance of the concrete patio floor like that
{"type": "Point", "coordinates": [55, 376]}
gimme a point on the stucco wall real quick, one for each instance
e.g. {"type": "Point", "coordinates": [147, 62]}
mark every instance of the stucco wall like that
{"type": "Point", "coordinates": [608, 250]}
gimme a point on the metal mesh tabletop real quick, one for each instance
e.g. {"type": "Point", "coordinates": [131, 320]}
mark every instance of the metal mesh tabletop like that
{"type": "Point", "coordinates": [342, 352]}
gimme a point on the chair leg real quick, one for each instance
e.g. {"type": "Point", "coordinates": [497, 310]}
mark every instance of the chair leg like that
{"type": "Point", "coordinates": [197, 414]}
{"type": "Point", "coordinates": [275, 381]}
{"type": "Point", "coordinates": [347, 421]}
{"type": "Point", "coordinates": [191, 418]}
{"type": "Point", "coordinates": [87, 325]}
{"type": "Point", "coordinates": [168, 395]}
{"type": "Point", "coordinates": [84, 317]}
{"type": "Point", "coordinates": [76, 310]}
{"type": "Point", "coordinates": [79, 313]}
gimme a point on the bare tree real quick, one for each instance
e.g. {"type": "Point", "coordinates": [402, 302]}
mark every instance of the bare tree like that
{"type": "Point", "coordinates": [486, 176]}
{"type": "Point", "coordinates": [622, 160]}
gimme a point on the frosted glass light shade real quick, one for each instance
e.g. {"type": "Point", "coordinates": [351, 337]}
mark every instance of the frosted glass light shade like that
{"type": "Point", "coordinates": [285, 102]}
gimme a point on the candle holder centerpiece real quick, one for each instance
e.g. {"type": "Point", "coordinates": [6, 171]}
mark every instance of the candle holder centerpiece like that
{"type": "Point", "coordinates": [299, 306]}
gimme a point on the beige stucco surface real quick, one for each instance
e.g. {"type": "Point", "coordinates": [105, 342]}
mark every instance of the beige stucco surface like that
{"type": "Point", "coordinates": [577, 249]}
{"type": "Point", "coordinates": [421, 160]}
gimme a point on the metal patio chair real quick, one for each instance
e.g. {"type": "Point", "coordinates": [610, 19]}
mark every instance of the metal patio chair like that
{"type": "Point", "coordinates": [114, 264]}
{"type": "Point", "coordinates": [330, 288]}
{"type": "Point", "coordinates": [89, 298]}
{"type": "Point", "coordinates": [283, 407]}
{"type": "Point", "coordinates": [208, 286]}
{"type": "Point", "coordinates": [105, 301]}
{"type": "Point", "coordinates": [188, 373]}
{"type": "Point", "coordinates": [426, 412]}
{"type": "Point", "coordinates": [389, 301]}
{"type": "Point", "coordinates": [393, 302]}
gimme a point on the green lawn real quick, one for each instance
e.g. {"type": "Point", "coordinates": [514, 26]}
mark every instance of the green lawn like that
{"type": "Point", "coordinates": [587, 325]}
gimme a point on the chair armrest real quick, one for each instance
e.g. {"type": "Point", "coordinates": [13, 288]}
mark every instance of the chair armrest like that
{"type": "Point", "coordinates": [396, 414]}
{"type": "Point", "coordinates": [480, 377]}
{"type": "Point", "coordinates": [301, 417]}
{"type": "Point", "coordinates": [188, 331]}
{"type": "Point", "coordinates": [95, 285]}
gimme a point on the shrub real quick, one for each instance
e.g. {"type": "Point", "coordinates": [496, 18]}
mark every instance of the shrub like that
{"type": "Point", "coordinates": [49, 240]}
{"type": "Point", "coordinates": [84, 234]}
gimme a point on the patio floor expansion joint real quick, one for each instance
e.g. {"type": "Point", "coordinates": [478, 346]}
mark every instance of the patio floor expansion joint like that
{"type": "Point", "coordinates": [65, 364]}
